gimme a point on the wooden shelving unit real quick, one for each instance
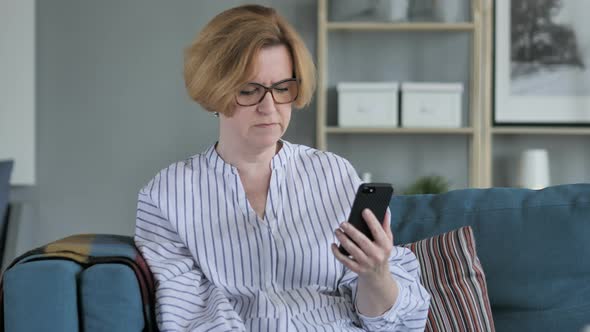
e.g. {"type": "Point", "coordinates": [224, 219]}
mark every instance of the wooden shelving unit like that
{"type": "Point", "coordinates": [473, 132]}
{"type": "Point", "coordinates": [490, 133]}
{"type": "Point", "coordinates": [400, 131]}
{"type": "Point", "coordinates": [377, 26]}
{"type": "Point", "coordinates": [540, 131]}
{"type": "Point", "coordinates": [480, 130]}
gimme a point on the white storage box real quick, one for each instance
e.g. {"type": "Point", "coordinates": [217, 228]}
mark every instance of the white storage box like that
{"type": "Point", "coordinates": [368, 104]}
{"type": "Point", "coordinates": [375, 10]}
{"type": "Point", "coordinates": [431, 105]}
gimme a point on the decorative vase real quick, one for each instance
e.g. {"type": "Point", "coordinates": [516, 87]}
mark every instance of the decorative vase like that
{"type": "Point", "coordinates": [534, 169]}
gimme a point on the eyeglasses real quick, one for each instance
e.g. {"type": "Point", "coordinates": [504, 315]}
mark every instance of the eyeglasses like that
{"type": "Point", "coordinates": [283, 92]}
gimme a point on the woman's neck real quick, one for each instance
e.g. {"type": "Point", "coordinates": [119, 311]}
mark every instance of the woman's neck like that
{"type": "Point", "coordinates": [246, 159]}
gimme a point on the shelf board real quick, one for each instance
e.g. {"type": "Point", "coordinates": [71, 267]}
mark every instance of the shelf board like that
{"type": "Point", "coordinates": [399, 131]}
{"type": "Point", "coordinates": [541, 130]}
{"type": "Point", "coordinates": [375, 26]}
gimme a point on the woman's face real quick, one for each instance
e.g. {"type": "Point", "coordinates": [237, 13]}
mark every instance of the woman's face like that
{"type": "Point", "coordinates": [263, 124]}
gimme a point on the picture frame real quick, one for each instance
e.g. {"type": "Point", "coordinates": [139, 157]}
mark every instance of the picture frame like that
{"type": "Point", "coordinates": [541, 63]}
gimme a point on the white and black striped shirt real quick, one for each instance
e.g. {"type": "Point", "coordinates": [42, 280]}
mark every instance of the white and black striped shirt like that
{"type": "Point", "coordinates": [219, 267]}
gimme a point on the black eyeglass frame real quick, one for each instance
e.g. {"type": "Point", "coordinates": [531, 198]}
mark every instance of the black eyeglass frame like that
{"type": "Point", "coordinates": [270, 89]}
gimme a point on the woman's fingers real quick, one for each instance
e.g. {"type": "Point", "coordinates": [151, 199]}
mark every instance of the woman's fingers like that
{"type": "Point", "coordinates": [355, 235]}
{"type": "Point", "coordinates": [351, 247]}
{"type": "Point", "coordinates": [377, 229]}
{"type": "Point", "coordinates": [363, 249]}
{"type": "Point", "coordinates": [366, 255]}
{"type": "Point", "coordinates": [387, 225]}
{"type": "Point", "coordinates": [350, 263]}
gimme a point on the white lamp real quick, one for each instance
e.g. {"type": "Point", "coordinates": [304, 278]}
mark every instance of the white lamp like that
{"type": "Point", "coordinates": [534, 169]}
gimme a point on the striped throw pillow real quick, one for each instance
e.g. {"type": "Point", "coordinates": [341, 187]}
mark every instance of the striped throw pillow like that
{"type": "Point", "coordinates": [454, 277]}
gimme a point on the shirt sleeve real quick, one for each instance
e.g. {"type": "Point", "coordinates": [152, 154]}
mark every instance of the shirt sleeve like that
{"type": "Point", "coordinates": [185, 299]}
{"type": "Point", "coordinates": [410, 310]}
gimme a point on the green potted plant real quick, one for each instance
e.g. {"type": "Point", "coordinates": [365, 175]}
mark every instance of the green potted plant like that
{"type": "Point", "coordinates": [430, 184]}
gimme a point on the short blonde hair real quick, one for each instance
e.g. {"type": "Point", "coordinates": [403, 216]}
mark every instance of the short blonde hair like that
{"type": "Point", "coordinates": [221, 58]}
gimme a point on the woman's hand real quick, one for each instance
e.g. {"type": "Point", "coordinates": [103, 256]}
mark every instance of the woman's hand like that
{"type": "Point", "coordinates": [369, 258]}
{"type": "Point", "coordinates": [377, 291]}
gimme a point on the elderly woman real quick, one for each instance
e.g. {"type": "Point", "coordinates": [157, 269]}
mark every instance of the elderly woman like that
{"type": "Point", "coordinates": [241, 237]}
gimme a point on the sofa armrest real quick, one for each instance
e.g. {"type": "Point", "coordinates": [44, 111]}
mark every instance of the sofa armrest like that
{"type": "Point", "coordinates": [106, 282]}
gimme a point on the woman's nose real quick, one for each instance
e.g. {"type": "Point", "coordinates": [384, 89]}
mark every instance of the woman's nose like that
{"type": "Point", "coordinates": [267, 104]}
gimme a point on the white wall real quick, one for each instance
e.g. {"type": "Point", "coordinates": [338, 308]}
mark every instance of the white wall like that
{"type": "Point", "coordinates": [17, 88]}
{"type": "Point", "coordinates": [113, 110]}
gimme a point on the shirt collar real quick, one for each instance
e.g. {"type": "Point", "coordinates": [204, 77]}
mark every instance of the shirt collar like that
{"type": "Point", "coordinates": [283, 156]}
{"type": "Point", "coordinates": [217, 163]}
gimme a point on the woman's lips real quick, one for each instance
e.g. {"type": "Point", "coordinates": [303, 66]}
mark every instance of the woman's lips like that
{"type": "Point", "coordinates": [265, 125]}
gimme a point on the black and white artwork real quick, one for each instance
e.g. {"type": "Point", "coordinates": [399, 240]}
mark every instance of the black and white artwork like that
{"type": "Point", "coordinates": [542, 62]}
{"type": "Point", "coordinates": [550, 47]}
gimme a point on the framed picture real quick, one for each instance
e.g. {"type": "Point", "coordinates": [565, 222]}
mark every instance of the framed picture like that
{"type": "Point", "coordinates": [542, 62]}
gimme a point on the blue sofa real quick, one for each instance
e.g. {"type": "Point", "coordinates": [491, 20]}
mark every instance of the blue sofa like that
{"type": "Point", "coordinates": [534, 247]}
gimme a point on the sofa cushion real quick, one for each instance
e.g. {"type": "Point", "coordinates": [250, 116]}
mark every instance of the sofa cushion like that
{"type": "Point", "coordinates": [452, 274]}
{"type": "Point", "coordinates": [110, 299]}
{"type": "Point", "coordinates": [533, 246]}
{"type": "Point", "coordinates": [41, 296]}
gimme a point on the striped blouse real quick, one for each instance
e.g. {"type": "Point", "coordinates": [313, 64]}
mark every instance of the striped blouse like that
{"type": "Point", "coordinates": [219, 267]}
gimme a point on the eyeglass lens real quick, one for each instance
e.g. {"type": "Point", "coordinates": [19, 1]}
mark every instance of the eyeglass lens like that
{"type": "Point", "coordinates": [282, 92]}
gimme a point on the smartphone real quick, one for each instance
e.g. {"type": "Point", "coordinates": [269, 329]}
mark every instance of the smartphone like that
{"type": "Point", "coordinates": [372, 196]}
